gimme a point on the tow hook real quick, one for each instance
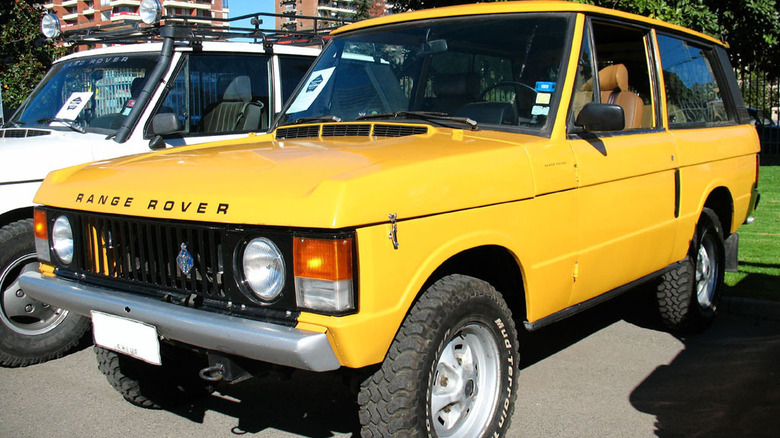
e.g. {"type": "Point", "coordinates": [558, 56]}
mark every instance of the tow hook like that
{"type": "Point", "coordinates": [214, 373]}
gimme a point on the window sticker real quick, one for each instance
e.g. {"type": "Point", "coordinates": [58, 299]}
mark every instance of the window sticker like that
{"type": "Point", "coordinates": [539, 110]}
{"type": "Point", "coordinates": [545, 87]}
{"type": "Point", "coordinates": [73, 106]}
{"type": "Point", "coordinates": [543, 98]}
{"type": "Point", "coordinates": [311, 89]}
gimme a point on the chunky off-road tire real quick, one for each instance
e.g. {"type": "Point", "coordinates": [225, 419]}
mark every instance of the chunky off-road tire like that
{"type": "Point", "coordinates": [30, 331]}
{"type": "Point", "coordinates": [175, 382]}
{"type": "Point", "coordinates": [688, 295]}
{"type": "Point", "coordinates": [451, 369]}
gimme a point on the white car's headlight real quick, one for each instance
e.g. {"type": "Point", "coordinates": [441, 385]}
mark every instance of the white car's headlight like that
{"type": "Point", "coordinates": [62, 239]}
{"type": "Point", "coordinates": [150, 11]}
{"type": "Point", "coordinates": [263, 268]}
{"type": "Point", "coordinates": [50, 26]}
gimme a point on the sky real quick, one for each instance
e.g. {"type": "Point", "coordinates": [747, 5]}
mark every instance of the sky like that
{"type": "Point", "coordinates": [243, 7]}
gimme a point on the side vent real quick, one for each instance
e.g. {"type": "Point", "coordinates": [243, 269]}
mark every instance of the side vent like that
{"type": "Point", "coordinates": [398, 130]}
{"type": "Point", "coordinates": [22, 133]}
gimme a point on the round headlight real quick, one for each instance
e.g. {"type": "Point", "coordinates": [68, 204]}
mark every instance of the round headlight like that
{"type": "Point", "coordinates": [150, 11]}
{"type": "Point", "coordinates": [50, 26]}
{"type": "Point", "coordinates": [263, 268]}
{"type": "Point", "coordinates": [62, 239]}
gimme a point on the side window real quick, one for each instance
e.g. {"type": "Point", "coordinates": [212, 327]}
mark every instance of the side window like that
{"type": "Point", "coordinates": [219, 94]}
{"type": "Point", "coordinates": [583, 83]}
{"type": "Point", "coordinates": [293, 69]}
{"type": "Point", "coordinates": [693, 96]}
{"type": "Point", "coordinates": [621, 59]}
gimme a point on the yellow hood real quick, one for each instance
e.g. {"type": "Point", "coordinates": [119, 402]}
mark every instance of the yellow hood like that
{"type": "Point", "coordinates": [312, 182]}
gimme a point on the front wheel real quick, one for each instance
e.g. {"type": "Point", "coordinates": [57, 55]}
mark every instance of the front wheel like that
{"type": "Point", "coordinates": [149, 386]}
{"type": "Point", "coordinates": [451, 370]}
{"type": "Point", "coordinates": [30, 331]}
{"type": "Point", "coordinates": [688, 295]}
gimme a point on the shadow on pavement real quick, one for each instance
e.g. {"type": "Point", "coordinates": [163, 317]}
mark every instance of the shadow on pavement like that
{"type": "Point", "coordinates": [637, 306]}
{"type": "Point", "coordinates": [310, 404]}
{"type": "Point", "coordinates": [725, 383]}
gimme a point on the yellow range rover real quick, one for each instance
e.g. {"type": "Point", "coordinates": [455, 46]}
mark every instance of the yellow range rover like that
{"type": "Point", "coordinates": [439, 179]}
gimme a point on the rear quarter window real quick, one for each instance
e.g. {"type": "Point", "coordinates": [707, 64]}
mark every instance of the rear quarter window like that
{"type": "Point", "coordinates": [693, 93]}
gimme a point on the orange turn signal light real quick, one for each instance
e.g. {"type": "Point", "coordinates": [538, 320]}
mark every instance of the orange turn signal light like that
{"type": "Point", "coordinates": [41, 230]}
{"type": "Point", "coordinates": [323, 259]}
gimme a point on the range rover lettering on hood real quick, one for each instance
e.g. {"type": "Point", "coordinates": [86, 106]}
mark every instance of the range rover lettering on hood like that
{"type": "Point", "coordinates": [153, 204]}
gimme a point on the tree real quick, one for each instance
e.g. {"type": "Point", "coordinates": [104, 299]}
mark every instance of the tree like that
{"type": "Point", "coordinates": [26, 54]}
{"type": "Point", "coordinates": [751, 28]}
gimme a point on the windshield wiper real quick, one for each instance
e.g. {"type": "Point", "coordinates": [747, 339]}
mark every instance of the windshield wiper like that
{"type": "Point", "coordinates": [423, 115]}
{"type": "Point", "coordinates": [13, 123]}
{"type": "Point", "coordinates": [313, 119]}
{"type": "Point", "coordinates": [72, 124]}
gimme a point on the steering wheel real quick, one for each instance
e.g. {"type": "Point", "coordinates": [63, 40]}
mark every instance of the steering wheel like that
{"type": "Point", "coordinates": [521, 109]}
{"type": "Point", "coordinates": [504, 84]}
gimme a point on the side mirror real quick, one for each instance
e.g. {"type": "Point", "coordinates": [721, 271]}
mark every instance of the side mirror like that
{"type": "Point", "coordinates": [165, 124]}
{"type": "Point", "coordinates": [601, 117]}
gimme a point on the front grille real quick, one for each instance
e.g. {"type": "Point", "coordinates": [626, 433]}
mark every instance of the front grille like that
{"type": "Point", "coordinates": [144, 253]}
{"type": "Point", "coordinates": [22, 133]}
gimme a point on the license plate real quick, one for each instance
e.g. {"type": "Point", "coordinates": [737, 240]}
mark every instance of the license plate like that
{"type": "Point", "coordinates": [126, 336]}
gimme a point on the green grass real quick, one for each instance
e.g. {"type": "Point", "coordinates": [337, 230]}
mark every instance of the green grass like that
{"type": "Point", "coordinates": [759, 245]}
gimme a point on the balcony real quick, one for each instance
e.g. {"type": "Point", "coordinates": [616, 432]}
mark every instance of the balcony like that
{"type": "Point", "coordinates": [117, 16]}
{"type": "Point", "coordinates": [125, 3]}
{"type": "Point", "coordinates": [70, 17]}
{"type": "Point", "coordinates": [69, 3]}
{"type": "Point", "coordinates": [333, 10]}
{"type": "Point", "coordinates": [186, 4]}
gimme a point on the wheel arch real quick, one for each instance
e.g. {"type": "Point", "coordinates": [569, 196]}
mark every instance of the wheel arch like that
{"type": "Point", "coordinates": [721, 202]}
{"type": "Point", "coordinates": [493, 264]}
{"type": "Point", "coordinates": [16, 215]}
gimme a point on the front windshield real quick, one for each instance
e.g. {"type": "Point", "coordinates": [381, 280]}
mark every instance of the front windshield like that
{"type": "Point", "coordinates": [500, 70]}
{"type": "Point", "coordinates": [93, 94]}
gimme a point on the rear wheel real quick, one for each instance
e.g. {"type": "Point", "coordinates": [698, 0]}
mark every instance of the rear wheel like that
{"type": "Point", "coordinates": [688, 295]}
{"type": "Point", "coordinates": [30, 331]}
{"type": "Point", "coordinates": [451, 370]}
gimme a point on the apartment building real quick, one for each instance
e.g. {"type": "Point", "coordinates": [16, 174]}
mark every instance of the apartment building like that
{"type": "Point", "coordinates": [345, 9]}
{"type": "Point", "coordinates": [77, 14]}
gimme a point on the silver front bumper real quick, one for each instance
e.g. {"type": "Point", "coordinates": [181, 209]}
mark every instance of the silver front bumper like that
{"type": "Point", "coordinates": [227, 334]}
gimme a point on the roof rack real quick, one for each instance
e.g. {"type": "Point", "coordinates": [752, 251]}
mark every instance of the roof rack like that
{"type": "Point", "coordinates": [197, 29]}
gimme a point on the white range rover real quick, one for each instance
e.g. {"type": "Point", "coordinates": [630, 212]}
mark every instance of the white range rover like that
{"type": "Point", "coordinates": [188, 85]}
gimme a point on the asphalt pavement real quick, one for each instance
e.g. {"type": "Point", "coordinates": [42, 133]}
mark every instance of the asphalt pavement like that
{"type": "Point", "coordinates": [608, 372]}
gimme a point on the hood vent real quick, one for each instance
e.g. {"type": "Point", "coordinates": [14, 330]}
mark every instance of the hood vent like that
{"type": "Point", "coordinates": [398, 130]}
{"type": "Point", "coordinates": [298, 132]}
{"type": "Point", "coordinates": [22, 133]}
{"type": "Point", "coordinates": [349, 130]}
{"type": "Point", "coordinates": [346, 130]}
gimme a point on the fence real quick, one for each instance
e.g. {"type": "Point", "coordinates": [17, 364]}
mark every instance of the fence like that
{"type": "Point", "coordinates": [762, 97]}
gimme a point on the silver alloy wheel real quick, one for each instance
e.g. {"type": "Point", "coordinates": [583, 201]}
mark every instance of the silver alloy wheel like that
{"type": "Point", "coordinates": [18, 311]}
{"type": "Point", "coordinates": [706, 272]}
{"type": "Point", "coordinates": [465, 386]}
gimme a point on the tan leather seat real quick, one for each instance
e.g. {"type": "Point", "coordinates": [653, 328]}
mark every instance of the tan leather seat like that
{"type": "Point", "coordinates": [613, 81]}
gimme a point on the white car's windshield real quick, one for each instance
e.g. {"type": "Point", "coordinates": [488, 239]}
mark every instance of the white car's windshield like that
{"type": "Point", "coordinates": [499, 70]}
{"type": "Point", "coordinates": [87, 94]}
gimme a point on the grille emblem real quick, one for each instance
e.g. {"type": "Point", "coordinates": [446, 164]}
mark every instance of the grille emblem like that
{"type": "Point", "coordinates": [184, 260]}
